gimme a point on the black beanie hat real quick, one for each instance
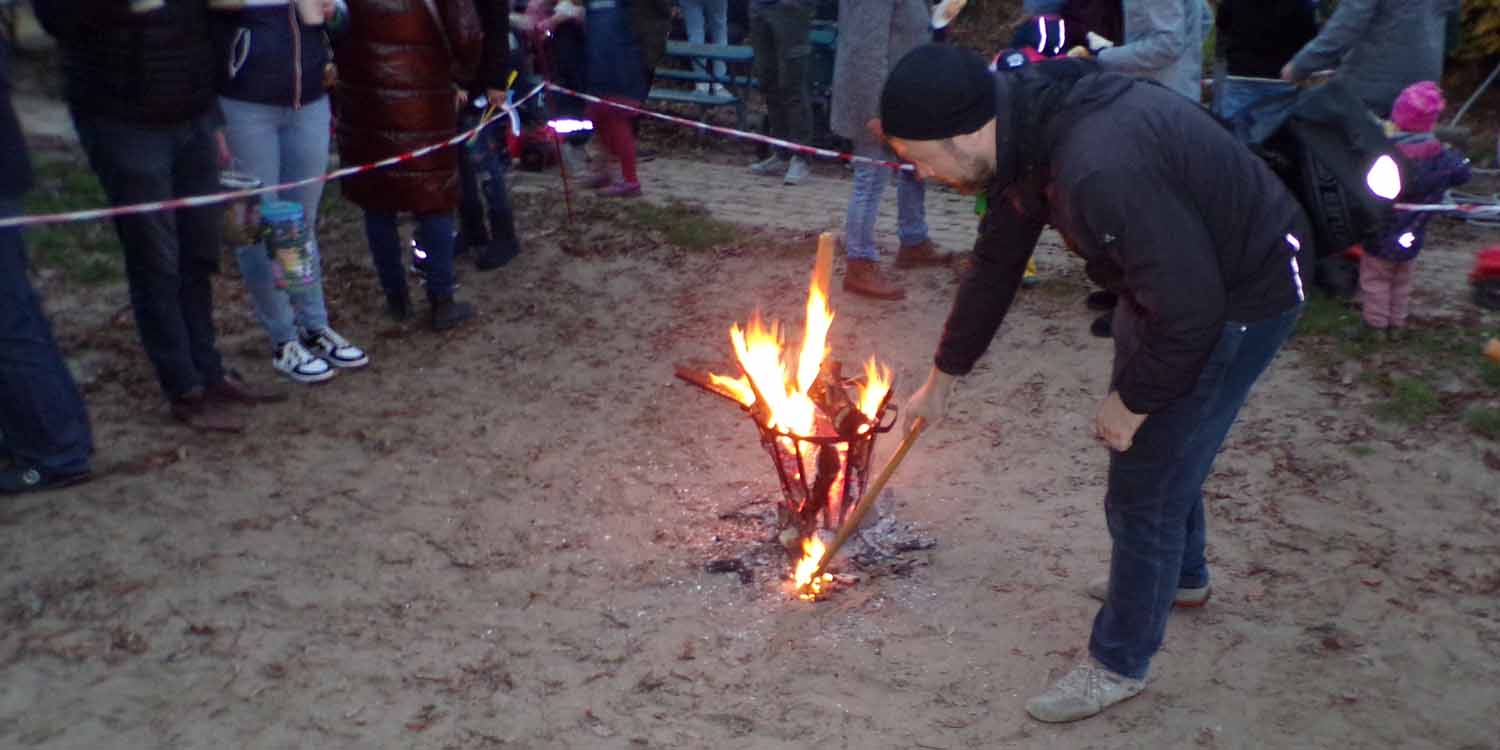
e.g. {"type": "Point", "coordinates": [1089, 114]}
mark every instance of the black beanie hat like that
{"type": "Point", "coordinates": [937, 91]}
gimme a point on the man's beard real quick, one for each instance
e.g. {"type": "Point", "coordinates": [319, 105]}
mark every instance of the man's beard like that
{"type": "Point", "coordinates": [977, 178]}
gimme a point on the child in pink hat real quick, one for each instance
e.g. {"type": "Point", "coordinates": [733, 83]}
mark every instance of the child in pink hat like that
{"type": "Point", "coordinates": [1385, 271]}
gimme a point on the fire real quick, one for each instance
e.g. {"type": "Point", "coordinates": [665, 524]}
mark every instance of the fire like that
{"type": "Point", "coordinates": [812, 554]}
{"type": "Point", "coordinates": [762, 354]}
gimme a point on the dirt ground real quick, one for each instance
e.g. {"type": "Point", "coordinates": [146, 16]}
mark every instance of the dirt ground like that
{"type": "Point", "coordinates": [497, 538]}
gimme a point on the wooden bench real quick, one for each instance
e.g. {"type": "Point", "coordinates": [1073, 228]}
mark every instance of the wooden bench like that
{"type": "Point", "coordinates": [732, 87]}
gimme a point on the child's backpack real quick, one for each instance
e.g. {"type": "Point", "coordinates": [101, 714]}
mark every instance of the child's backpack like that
{"type": "Point", "coordinates": [1333, 155]}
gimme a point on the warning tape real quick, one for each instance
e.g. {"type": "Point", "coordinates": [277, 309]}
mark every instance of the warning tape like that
{"type": "Point", "coordinates": [506, 112]}
{"type": "Point", "coordinates": [732, 133]}
{"type": "Point", "coordinates": [502, 112]}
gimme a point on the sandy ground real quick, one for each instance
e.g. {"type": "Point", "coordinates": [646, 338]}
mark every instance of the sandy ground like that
{"type": "Point", "coordinates": [496, 538]}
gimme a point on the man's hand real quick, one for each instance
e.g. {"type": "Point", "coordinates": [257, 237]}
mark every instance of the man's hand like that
{"type": "Point", "coordinates": [1287, 74]}
{"type": "Point", "coordinates": [1115, 424]}
{"type": "Point", "coordinates": [930, 401]}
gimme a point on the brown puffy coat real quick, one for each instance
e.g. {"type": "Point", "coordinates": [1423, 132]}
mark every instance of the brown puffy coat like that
{"type": "Point", "coordinates": [397, 68]}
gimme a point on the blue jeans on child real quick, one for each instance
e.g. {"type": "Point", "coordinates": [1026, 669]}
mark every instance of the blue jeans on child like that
{"type": "Point", "coordinates": [43, 422]}
{"type": "Point", "coordinates": [864, 204]}
{"type": "Point", "coordinates": [1154, 501]}
{"type": "Point", "coordinates": [712, 16]}
{"type": "Point", "coordinates": [482, 166]}
{"type": "Point", "coordinates": [435, 236]}
{"type": "Point", "coordinates": [276, 145]}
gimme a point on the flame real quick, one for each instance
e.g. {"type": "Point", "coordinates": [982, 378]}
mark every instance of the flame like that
{"type": "Point", "coordinates": [812, 554]}
{"type": "Point", "coordinates": [759, 348]}
{"type": "Point", "coordinates": [872, 392]}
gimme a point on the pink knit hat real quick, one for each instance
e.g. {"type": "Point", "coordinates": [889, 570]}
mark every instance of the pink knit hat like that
{"type": "Point", "coordinates": [1417, 108]}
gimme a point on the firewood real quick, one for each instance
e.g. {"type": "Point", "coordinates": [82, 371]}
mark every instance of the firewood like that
{"type": "Point", "coordinates": [828, 394]}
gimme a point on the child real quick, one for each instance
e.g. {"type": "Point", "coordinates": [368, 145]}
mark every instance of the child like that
{"type": "Point", "coordinates": [1385, 271]}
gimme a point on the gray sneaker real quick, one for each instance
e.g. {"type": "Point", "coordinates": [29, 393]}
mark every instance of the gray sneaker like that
{"type": "Point", "coordinates": [796, 171]}
{"type": "Point", "coordinates": [1186, 598]}
{"type": "Point", "coordinates": [773, 164]}
{"type": "Point", "coordinates": [1083, 692]}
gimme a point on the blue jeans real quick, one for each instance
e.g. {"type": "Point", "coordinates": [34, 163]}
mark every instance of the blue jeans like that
{"type": "Point", "coordinates": [482, 168]}
{"type": "Point", "coordinates": [864, 205]}
{"type": "Point", "coordinates": [1233, 95]}
{"type": "Point", "coordinates": [281, 144]}
{"type": "Point", "coordinates": [1154, 502]}
{"type": "Point", "coordinates": [43, 421]}
{"type": "Point", "coordinates": [712, 16]}
{"type": "Point", "coordinates": [434, 234]}
{"type": "Point", "coordinates": [170, 256]}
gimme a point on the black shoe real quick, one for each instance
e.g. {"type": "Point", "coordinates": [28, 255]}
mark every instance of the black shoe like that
{"type": "Point", "coordinates": [398, 307]}
{"type": "Point", "coordinates": [449, 313]}
{"type": "Point", "coordinates": [501, 250]}
{"type": "Point", "coordinates": [1103, 326]}
{"type": "Point", "coordinates": [20, 479]}
{"type": "Point", "coordinates": [1102, 300]}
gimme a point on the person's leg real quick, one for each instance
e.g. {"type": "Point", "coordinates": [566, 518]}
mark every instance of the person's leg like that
{"type": "Point", "coordinates": [1155, 488]}
{"type": "Point", "coordinates": [911, 209]}
{"type": "Point", "coordinates": [692, 22]}
{"type": "Point", "coordinates": [795, 52]}
{"type": "Point", "coordinates": [625, 146]}
{"type": "Point", "coordinates": [254, 132]}
{"type": "Point", "coordinates": [385, 251]}
{"type": "Point", "coordinates": [504, 245]}
{"type": "Point", "coordinates": [43, 420]}
{"type": "Point", "coordinates": [471, 201]}
{"type": "Point", "coordinates": [304, 154]}
{"type": "Point", "coordinates": [1375, 290]}
{"type": "Point", "coordinates": [864, 205]}
{"type": "Point", "coordinates": [199, 236]}
{"type": "Point", "coordinates": [135, 165]}
{"type": "Point", "coordinates": [716, 23]}
{"type": "Point", "coordinates": [1401, 279]}
{"type": "Point", "coordinates": [435, 235]}
{"type": "Point", "coordinates": [764, 38]}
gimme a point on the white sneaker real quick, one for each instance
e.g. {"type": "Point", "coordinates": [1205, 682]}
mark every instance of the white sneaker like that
{"type": "Point", "coordinates": [774, 164]}
{"type": "Point", "coordinates": [796, 171]}
{"type": "Point", "coordinates": [296, 362]}
{"type": "Point", "coordinates": [1185, 598]}
{"type": "Point", "coordinates": [702, 88]}
{"type": "Point", "coordinates": [329, 345]}
{"type": "Point", "coordinates": [1083, 692]}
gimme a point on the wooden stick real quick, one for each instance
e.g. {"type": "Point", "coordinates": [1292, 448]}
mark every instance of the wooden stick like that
{"type": "Point", "coordinates": [822, 275]}
{"type": "Point", "coordinates": [865, 503]}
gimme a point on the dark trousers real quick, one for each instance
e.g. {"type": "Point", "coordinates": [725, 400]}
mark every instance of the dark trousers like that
{"type": "Point", "coordinates": [481, 173]}
{"type": "Point", "coordinates": [434, 235]}
{"type": "Point", "coordinates": [170, 256]}
{"type": "Point", "coordinates": [43, 422]}
{"type": "Point", "coordinates": [782, 51]}
{"type": "Point", "coordinates": [1154, 502]}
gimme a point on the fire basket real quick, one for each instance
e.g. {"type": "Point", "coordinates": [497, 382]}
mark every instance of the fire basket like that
{"type": "Point", "coordinates": [818, 426]}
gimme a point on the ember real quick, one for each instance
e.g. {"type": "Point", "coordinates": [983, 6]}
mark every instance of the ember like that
{"type": "Point", "coordinates": [819, 437]}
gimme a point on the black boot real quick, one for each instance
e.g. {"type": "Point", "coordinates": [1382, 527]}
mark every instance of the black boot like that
{"type": "Point", "coordinates": [448, 312]}
{"type": "Point", "coordinates": [1101, 300]}
{"type": "Point", "coordinates": [1103, 326]}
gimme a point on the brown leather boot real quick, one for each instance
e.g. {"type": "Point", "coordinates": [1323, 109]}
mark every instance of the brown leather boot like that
{"type": "Point", "coordinates": [205, 414]}
{"type": "Point", "coordinates": [865, 278]}
{"type": "Point", "coordinates": [923, 254]}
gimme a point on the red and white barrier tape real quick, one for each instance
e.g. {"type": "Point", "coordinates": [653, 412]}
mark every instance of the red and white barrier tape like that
{"type": "Point", "coordinates": [502, 113]}
{"type": "Point", "coordinates": [732, 133]}
{"type": "Point", "coordinates": [1469, 210]}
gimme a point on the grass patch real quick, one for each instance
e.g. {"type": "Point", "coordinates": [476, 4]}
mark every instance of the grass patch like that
{"type": "Point", "coordinates": [1325, 316]}
{"type": "Point", "coordinates": [1484, 422]}
{"type": "Point", "coordinates": [685, 226]}
{"type": "Point", "coordinates": [85, 253]}
{"type": "Point", "coordinates": [1410, 401]}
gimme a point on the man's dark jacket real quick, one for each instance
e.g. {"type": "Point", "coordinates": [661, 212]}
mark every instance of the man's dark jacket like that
{"type": "Point", "coordinates": [1163, 204]}
{"type": "Point", "coordinates": [154, 68]}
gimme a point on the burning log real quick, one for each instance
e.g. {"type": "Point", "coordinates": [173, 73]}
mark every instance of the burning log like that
{"type": "Point", "coordinates": [828, 394]}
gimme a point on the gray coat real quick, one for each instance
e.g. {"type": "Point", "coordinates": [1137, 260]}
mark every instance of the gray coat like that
{"type": "Point", "coordinates": [1379, 47]}
{"type": "Point", "coordinates": [873, 36]}
{"type": "Point", "coordinates": [1163, 41]}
